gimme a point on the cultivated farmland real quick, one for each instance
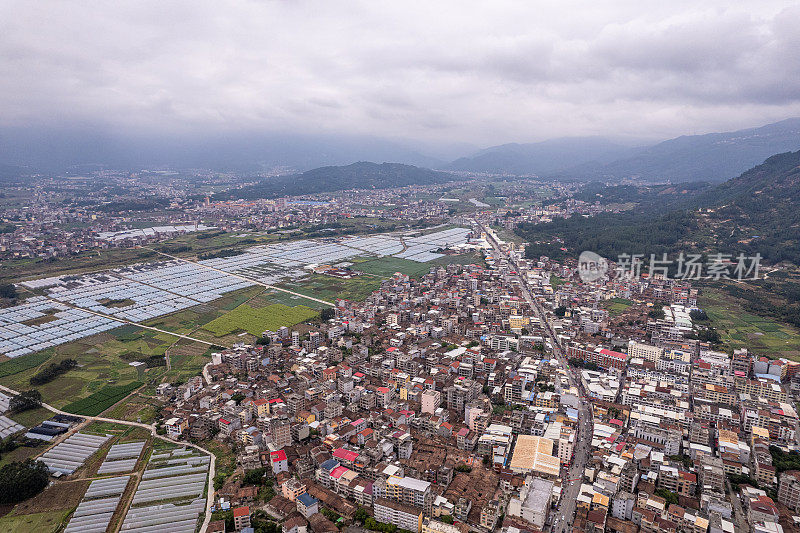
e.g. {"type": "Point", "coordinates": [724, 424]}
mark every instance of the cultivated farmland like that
{"type": "Point", "coordinates": [96, 403]}
{"type": "Point", "coordinates": [256, 320]}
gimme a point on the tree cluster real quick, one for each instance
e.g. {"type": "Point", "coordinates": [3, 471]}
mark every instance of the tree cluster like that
{"type": "Point", "coordinates": [783, 461]}
{"type": "Point", "coordinates": [52, 371]}
{"type": "Point", "coordinates": [580, 363]}
{"type": "Point", "coordinates": [219, 254]}
{"type": "Point", "coordinates": [25, 400]}
{"type": "Point", "coordinates": [8, 291]}
{"type": "Point", "coordinates": [22, 480]}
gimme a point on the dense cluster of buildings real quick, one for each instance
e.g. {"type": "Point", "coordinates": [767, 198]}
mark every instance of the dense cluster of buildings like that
{"type": "Point", "coordinates": [436, 405]}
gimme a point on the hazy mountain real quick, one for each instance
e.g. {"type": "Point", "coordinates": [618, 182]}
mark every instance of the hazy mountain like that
{"type": "Point", "coordinates": [711, 157]}
{"type": "Point", "coordinates": [756, 212]}
{"type": "Point", "coordinates": [362, 175]}
{"type": "Point", "coordinates": [82, 149]}
{"type": "Point", "coordinates": [10, 173]}
{"type": "Point", "coordinates": [543, 158]}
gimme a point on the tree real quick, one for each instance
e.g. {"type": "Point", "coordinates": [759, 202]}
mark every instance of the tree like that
{"type": "Point", "coordinates": [361, 515]}
{"type": "Point", "coordinates": [668, 495]}
{"type": "Point", "coordinates": [8, 291]}
{"type": "Point", "coordinates": [658, 314]}
{"type": "Point", "coordinates": [254, 477]}
{"type": "Point", "coordinates": [51, 372]}
{"type": "Point", "coordinates": [238, 397]}
{"type": "Point", "coordinates": [446, 518]}
{"type": "Point", "coordinates": [25, 400]}
{"type": "Point", "coordinates": [22, 480]}
{"type": "Point", "coordinates": [327, 314]}
{"type": "Point", "coordinates": [560, 311]}
{"type": "Point", "coordinates": [227, 516]}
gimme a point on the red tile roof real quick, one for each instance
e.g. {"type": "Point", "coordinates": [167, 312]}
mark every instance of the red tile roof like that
{"type": "Point", "coordinates": [280, 455]}
{"type": "Point", "coordinates": [345, 455]}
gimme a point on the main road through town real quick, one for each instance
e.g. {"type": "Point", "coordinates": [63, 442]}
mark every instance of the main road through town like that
{"type": "Point", "coordinates": [561, 520]}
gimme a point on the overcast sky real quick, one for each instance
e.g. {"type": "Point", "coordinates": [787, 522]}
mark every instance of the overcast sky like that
{"type": "Point", "coordinates": [435, 71]}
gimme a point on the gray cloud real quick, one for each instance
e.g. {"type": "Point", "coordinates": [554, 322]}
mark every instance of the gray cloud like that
{"type": "Point", "coordinates": [484, 73]}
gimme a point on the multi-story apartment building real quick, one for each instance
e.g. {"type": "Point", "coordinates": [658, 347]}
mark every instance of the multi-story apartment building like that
{"type": "Point", "coordinates": [410, 491]}
{"type": "Point", "coordinates": [402, 515]}
{"type": "Point", "coordinates": [431, 399]}
{"type": "Point", "coordinates": [789, 489]}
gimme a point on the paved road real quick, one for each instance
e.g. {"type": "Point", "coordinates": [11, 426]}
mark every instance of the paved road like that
{"type": "Point", "coordinates": [563, 517]}
{"type": "Point", "coordinates": [152, 429]}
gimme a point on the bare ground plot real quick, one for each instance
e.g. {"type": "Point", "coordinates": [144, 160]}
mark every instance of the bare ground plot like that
{"type": "Point", "coordinates": [62, 495]}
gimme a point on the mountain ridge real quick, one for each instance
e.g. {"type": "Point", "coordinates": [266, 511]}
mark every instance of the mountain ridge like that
{"type": "Point", "coordinates": [713, 157]}
{"type": "Point", "coordinates": [361, 175]}
{"type": "Point", "coordinates": [756, 212]}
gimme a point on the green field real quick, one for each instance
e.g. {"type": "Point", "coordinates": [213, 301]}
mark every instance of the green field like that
{"type": "Point", "coordinates": [471, 258]}
{"type": "Point", "coordinates": [280, 297]}
{"type": "Point", "coordinates": [330, 288]}
{"type": "Point", "coordinates": [387, 266]}
{"type": "Point", "coordinates": [617, 306]}
{"type": "Point", "coordinates": [256, 320]}
{"type": "Point", "coordinates": [26, 362]}
{"type": "Point", "coordinates": [34, 523]}
{"type": "Point", "coordinates": [740, 329]}
{"type": "Point", "coordinates": [97, 402]}
{"type": "Point", "coordinates": [31, 417]}
{"type": "Point", "coordinates": [104, 359]}
{"type": "Point", "coordinates": [506, 235]}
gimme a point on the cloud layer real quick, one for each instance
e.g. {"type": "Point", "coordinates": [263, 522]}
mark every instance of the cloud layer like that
{"type": "Point", "coordinates": [487, 73]}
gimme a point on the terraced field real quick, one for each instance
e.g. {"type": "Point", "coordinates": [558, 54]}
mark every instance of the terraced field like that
{"type": "Point", "coordinates": [740, 329]}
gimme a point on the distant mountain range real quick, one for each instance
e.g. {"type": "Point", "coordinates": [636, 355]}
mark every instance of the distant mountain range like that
{"type": "Point", "coordinates": [543, 158]}
{"type": "Point", "coordinates": [82, 150]}
{"type": "Point", "coordinates": [712, 157]}
{"type": "Point", "coordinates": [362, 175]}
{"type": "Point", "coordinates": [756, 212]}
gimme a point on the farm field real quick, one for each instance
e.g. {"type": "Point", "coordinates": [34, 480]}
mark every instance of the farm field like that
{"type": "Point", "coordinates": [256, 320]}
{"type": "Point", "coordinates": [22, 453]}
{"type": "Point", "coordinates": [34, 523]}
{"type": "Point", "coordinates": [740, 329]}
{"type": "Point", "coordinates": [104, 359]}
{"type": "Point", "coordinates": [99, 401]}
{"type": "Point", "coordinates": [278, 297]}
{"type": "Point", "coordinates": [471, 258]}
{"type": "Point", "coordinates": [330, 288]}
{"type": "Point", "coordinates": [20, 364]}
{"type": "Point", "coordinates": [387, 266]}
{"type": "Point", "coordinates": [506, 235]}
{"type": "Point", "coordinates": [135, 408]}
{"type": "Point", "coordinates": [31, 417]}
{"type": "Point", "coordinates": [185, 321]}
